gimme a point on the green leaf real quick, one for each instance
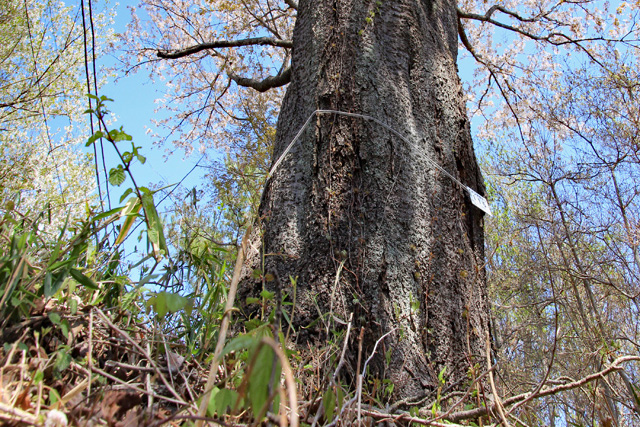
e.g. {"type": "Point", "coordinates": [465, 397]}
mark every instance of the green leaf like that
{"type": "Point", "coordinates": [64, 328]}
{"type": "Point", "coordinates": [117, 176]}
{"type": "Point", "coordinates": [329, 403]}
{"type": "Point", "coordinates": [159, 303]}
{"type": "Point", "coordinates": [155, 229]}
{"type": "Point", "coordinates": [83, 280]}
{"type": "Point", "coordinates": [94, 137]}
{"type": "Point", "coordinates": [222, 401]}
{"type": "Point", "coordinates": [55, 283]}
{"type": "Point", "coordinates": [259, 382]}
{"type": "Point", "coordinates": [131, 210]}
{"type": "Point", "coordinates": [54, 396]}
{"type": "Point", "coordinates": [47, 284]}
{"type": "Point", "coordinates": [340, 398]}
{"type": "Point", "coordinates": [253, 300]}
{"type": "Point", "coordinates": [127, 157]}
{"type": "Point", "coordinates": [118, 135]}
{"type": "Point", "coordinates": [176, 302]}
{"type": "Point", "coordinates": [266, 294]}
{"type": "Point", "coordinates": [63, 361]}
{"type": "Point", "coordinates": [54, 317]}
{"type": "Point", "coordinates": [239, 343]}
{"type": "Point", "coordinates": [125, 194]}
{"type": "Point", "coordinates": [166, 302]}
{"type": "Point", "coordinates": [108, 213]}
{"type": "Point", "coordinates": [211, 406]}
{"type": "Point", "coordinates": [38, 377]}
{"type": "Point", "coordinates": [441, 375]}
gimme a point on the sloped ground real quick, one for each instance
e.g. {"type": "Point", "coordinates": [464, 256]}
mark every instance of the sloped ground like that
{"type": "Point", "coordinates": [134, 379]}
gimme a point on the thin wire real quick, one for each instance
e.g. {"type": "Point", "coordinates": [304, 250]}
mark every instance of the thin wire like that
{"type": "Point", "coordinates": [365, 117]}
{"type": "Point", "coordinates": [86, 71]}
{"type": "Point", "coordinates": [95, 88]}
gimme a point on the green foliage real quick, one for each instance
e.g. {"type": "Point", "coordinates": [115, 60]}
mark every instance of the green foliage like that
{"type": "Point", "coordinates": [223, 402]}
{"type": "Point", "coordinates": [30, 269]}
{"type": "Point", "coordinates": [166, 302]}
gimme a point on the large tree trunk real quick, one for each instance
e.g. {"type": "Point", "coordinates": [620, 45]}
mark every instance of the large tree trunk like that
{"type": "Point", "coordinates": [351, 191]}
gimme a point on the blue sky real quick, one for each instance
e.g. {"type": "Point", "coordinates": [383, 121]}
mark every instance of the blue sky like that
{"type": "Point", "coordinates": [134, 109]}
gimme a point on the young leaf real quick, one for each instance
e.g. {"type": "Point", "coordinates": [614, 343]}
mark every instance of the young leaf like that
{"type": "Point", "coordinates": [94, 137]}
{"type": "Point", "coordinates": [238, 343]}
{"type": "Point", "coordinates": [222, 401]}
{"type": "Point", "coordinates": [259, 381]}
{"type": "Point", "coordinates": [125, 194]}
{"type": "Point", "coordinates": [329, 403]}
{"type": "Point", "coordinates": [155, 230]}
{"type": "Point", "coordinates": [83, 280]}
{"type": "Point", "coordinates": [130, 210]}
{"type": "Point", "coordinates": [176, 302]}
{"type": "Point", "coordinates": [117, 176]}
{"type": "Point", "coordinates": [159, 303]}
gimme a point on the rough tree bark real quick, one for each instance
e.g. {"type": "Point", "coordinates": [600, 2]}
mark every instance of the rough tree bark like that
{"type": "Point", "coordinates": [351, 191]}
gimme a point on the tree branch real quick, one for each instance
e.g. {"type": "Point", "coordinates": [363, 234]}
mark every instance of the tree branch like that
{"type": "Point", "coordinates": [292, 4]}
{"type": "Point", "coordinates": [555, 38]}
{"type": "Point", "coordinates": [219, 44]}
{"type": "Point", "coordinates": [487, 16]}
{"type": "Point", "coordinates": [271, 82]}
{"type": "Point", "coordinates": [479, 412]}
{"type": "Point", "coordinates": [467, 44]}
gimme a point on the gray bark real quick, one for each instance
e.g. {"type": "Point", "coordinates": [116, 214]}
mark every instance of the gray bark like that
{"type": "Point", "coordinates": [350, 190]}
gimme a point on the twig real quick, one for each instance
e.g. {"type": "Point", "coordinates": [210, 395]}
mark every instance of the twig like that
{"type": "Point", "coordinates": [478, 412]}
{"type": "Point", "coordinates": [228, 310]}
{"type": "Point", "coordinates": [344, 350]}
{"type": "Point", "coordinates": [220, 44]}
{"type": "Point", "coordinates": [115, 363]}
{"type": "Point", "coordinates": [292, 3]}
{"type": "Point", "coordinates": [410, 419]}
{"type": "Point", "coordinates": [333, 292]}
{"type": "Point", "coordinates": [344, 408]}
{"type": "Point", "coordinates": [359, 379]}
{"type": "Point", "coordinates": [364, 368]}
{"type": "Point", "coordinates": [147, 378]}
{"type": "Point", "coordinates": [470, 389]}
{"type": "Point", "coordinates": [494, 390]}
{"type": "Point", "coordinates": [90, 353]}
{"type": "Point", "coordinates": [10, 413]}
{"type": "Point", "coordinates": [146, 355]}
{"type": "Point", "coordinates": [126, 384]}
{"type": "Point", "coordinates": [556, 327]}
{"type": "Point", "coordinates": [334, 377]}
{"type": "Point", "coordinates": [177, 416]}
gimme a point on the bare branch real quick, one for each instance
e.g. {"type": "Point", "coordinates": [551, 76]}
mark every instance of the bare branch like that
{"type": "Point", "coordinates": [467, 44]}
{"type": "Point", "coordinates": [487, 16]}
{"type": "Point", "coordinates": [271, 82]}
{"type": "Point", "coordinates": [219, 44]}
{"type": "Point", "coordinates": [479, 412]}
{"type": "Point", "coordinates": [292, 4]}
{"type": "Point", "coordinates": [555, 38]}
